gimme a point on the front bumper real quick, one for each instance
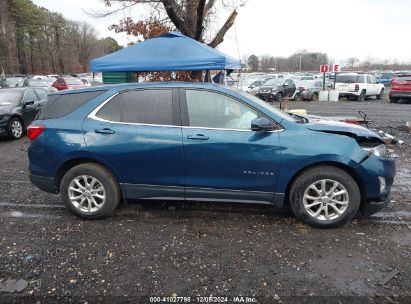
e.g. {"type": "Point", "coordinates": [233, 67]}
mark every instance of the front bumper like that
{"type": "Point", "coordinates": [266, 96]}
{"type": "Point", "coordinates": [371, 170]}
{"type": "Point", "coordinates": [372, 206]}
{"type": "Point", "coordinates": [46, 184]}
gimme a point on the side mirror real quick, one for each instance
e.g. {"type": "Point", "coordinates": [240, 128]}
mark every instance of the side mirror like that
{"type": "Point", "coordinates": [251, 87]}
{"type": "Point", "coordinates": [262, 124]}
{"type": "Point", "coordinates": [29, 102]}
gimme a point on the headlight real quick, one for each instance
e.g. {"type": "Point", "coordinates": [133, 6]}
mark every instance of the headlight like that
{"type": "Point", "coordinates": [273, 89]}
{"type": "Point", "coordinates": [379, 151]}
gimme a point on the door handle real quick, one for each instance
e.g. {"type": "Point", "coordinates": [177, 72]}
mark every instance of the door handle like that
{"type": "Point", "coordinates": [104, 131]}
{"type": "Point", "coordinates": [198, 137]}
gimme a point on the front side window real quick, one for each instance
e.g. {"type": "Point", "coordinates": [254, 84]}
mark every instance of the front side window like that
{"type": "Point", "coordinates": [41, 93]}
{"type": "Point", "coordinates": [212, 110]}
{"type": "Point", "coordinates": [30, 96]}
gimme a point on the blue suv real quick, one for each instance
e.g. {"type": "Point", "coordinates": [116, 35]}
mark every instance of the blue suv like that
{"type": "Point", "coordinates": [203, 142]}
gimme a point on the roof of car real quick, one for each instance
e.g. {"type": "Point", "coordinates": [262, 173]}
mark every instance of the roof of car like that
{"type": "Point", "coordinates": [136, 85]}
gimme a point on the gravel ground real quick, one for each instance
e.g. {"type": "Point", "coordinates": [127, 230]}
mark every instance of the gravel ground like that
{"type": "Point", "coordinates": [200, 249]}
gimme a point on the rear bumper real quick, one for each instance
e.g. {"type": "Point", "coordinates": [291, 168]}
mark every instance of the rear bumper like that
{"type": "Point", "coordinates": [404, 95]}
{"type": "Point", "coordinates": [46, 184]}
{"type": "Point", "coordinates": [348, 94]}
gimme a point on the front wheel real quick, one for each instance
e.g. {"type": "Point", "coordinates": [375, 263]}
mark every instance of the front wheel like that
{"type": "Point", "coordinates": [16, 128]}
{"type": "Point", "coordinates": [90, 191]}
{"type": "Point", "coordinates": [325, 197]}
{"type": "Point", "coordinates": [314, 97]}
{"type": "Point", "coordinates": [279, 97]}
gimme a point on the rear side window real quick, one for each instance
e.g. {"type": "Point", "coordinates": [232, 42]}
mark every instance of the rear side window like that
{"type": "Point", "coordinates": [60, 105]}
{"type": "Point", "coordinates": [111, 110]}
{"type": "Point", "coordinates": [153, 106]}
{"type": "Point", "coordinates": [148, 107]}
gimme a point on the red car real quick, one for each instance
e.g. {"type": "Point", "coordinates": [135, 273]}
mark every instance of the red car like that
{"type": "Point", "coordinates": [400, 88]}
{"type": "Point", "coordinates": [66, 83]}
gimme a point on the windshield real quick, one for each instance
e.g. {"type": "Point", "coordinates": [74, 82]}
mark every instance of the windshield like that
{"type": "Point", "coordinates": [274, 81]}
{"type": "Point", "coordinates": [263, 104]}
{"type": "Point", "coordinates": [73, 81]}
{"type": "Point", "coordinates": [350, 78]}
{"type": "Point", "coordinates": [8, 98]}
{"type": "Point", "coordinates": [37, 83]}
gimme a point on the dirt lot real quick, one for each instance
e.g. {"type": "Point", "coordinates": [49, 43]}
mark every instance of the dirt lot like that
{"type": "Point", "coordinates": [200, 249]}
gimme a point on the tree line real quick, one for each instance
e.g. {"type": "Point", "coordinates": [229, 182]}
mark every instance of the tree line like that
{"type": "Point", "coordinates": [303, 60]}
{"type": "Point", "coordinates": [34, 40]}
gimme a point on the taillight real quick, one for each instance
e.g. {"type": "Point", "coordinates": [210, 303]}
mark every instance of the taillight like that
{"type": "Point", "coordinates": [34, 131]}
{"type": "Point", "coordinates": [357, 87]}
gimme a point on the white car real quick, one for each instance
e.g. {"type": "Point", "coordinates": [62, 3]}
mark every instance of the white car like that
{"type": "Point", "coordinates": [358, 86]}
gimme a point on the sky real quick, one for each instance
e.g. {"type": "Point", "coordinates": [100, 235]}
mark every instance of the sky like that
{"type": "Point", "coordinates": [376, 29]}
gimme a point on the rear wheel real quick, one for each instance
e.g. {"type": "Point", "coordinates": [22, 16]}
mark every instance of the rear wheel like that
{"type": "Point", "coordinates": [393, 100]}
{"type": "Point", "coordinates": [16, 128]}
{"type": "Point", "coordinates": [90, 191]}
{"type": "Point", "coordinates": [298, 97]}
{"type": "Point", "coordinates": [362, 96]}
{"type": "Point", "coordinates": [325, 197]}
{"type": "Point", "coordinates": [314, 97]}
{"type": "Point", "coordinates": [379, 96]}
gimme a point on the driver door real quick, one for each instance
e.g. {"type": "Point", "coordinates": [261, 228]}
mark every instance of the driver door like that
{"type": "Point", "coordinates": [224, 159]}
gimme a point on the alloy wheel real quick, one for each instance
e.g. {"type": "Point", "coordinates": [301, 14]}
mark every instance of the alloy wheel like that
{"type": "Point", "coordinates": [87, 193]}
{"type": "Point", "coordinates": [326, 199]}
{"type": "Point", "coordinates": [16, 128]}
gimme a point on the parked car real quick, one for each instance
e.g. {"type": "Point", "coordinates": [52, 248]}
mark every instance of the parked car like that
{"type": "Point", "coordinates": [400, 88]}
{"type": "Point", "coordinates": [358, 86]}
{"type": "Point", "coordinates": [276, 89]}
{"type": "Point", "coordinates": [255, 86]}
{"type": "Point", "coordinates": [39, 83]}
{"type": "Point", "coordinates": [68, 83]}
{"type": "Point", "coordinates": [309, 90]}
{"type": "Point", "coordinates": [385, 78]}
{"type": "Point", "coordinates": [14, 81]}
{"type": "Point", "coordinates": [202, 142]}
{"type": "Point", "coordinates": [18, 108]}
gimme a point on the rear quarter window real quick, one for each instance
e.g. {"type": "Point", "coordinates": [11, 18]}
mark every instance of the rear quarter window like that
{"type": "Point", "coordinates": [60, 105]}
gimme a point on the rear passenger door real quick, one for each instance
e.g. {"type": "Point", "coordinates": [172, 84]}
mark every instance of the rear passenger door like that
{"type": "Point", "coordinates": [138, 132]}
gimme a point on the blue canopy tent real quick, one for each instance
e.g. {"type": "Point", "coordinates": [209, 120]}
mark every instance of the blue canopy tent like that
{"type": "Point", "coordinates": [170, 52]}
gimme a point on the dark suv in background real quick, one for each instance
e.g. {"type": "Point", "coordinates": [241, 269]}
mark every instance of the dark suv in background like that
{"type": "Point", "coordinates": [276, 89]}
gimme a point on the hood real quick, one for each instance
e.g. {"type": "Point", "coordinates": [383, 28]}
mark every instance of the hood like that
{"type": "Point", "coordinates": [5, 107]}
{"type": "Point", "coordinates": [337, 127]}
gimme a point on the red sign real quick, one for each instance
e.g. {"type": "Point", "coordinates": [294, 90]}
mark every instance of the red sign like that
{"type": "Point", "coordinates": [336, 67]}
{"type": "Point", "coordinates": [324, 69]}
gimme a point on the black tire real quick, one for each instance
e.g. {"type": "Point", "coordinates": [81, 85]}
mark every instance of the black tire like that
{"type": "Point", "coordinates": [393, 100]}
{"type": "Point", "coordinates": [379, 96]}
{"type": "Point", "coordinates": [298, 97]}
{"type": "Point", "coordinates": [362, 96]}
{"type": "Point", "coordinates": [316, 174]}
{"type": "Point", "coordinates": [111, 187]}
{"type": "Point", "coordinates": [279, 97]}
{"type": "Point", "coordinates": [314, 97]}
{"type": "Point", "coordinates": [13, 123]}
